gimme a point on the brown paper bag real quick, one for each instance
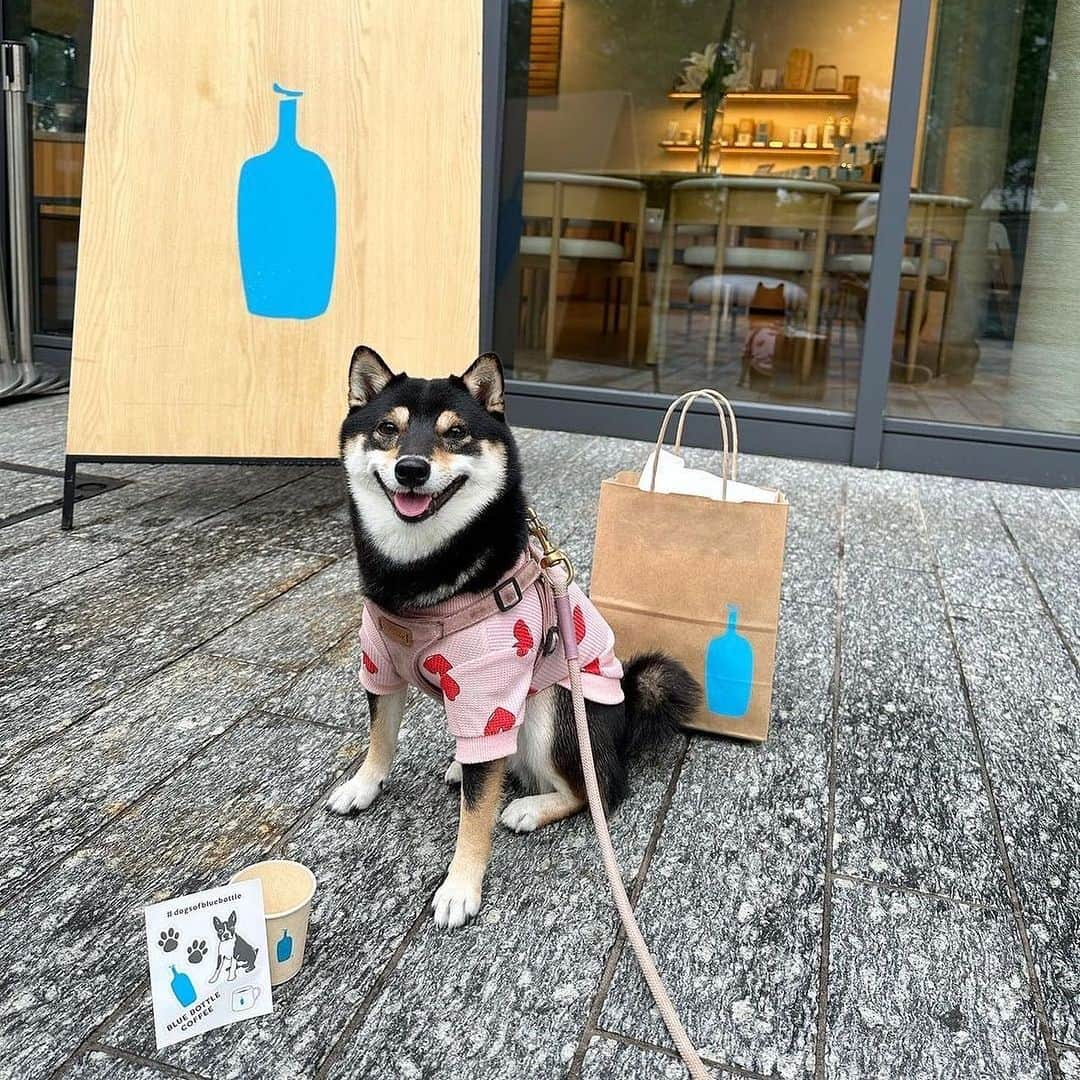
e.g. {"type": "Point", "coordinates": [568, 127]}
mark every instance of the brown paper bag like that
{"type": "Point", "coordinates": [699, 579]}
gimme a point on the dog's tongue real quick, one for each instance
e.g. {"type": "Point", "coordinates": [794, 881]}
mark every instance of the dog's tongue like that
{"type": "Point", "coordinates": [411, 504]}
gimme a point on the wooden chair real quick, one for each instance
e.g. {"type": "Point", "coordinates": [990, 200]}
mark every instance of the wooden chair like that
{"type": "Point", "coordinates": [935, 224]}
{"type": "Point", "coordinates": [723, 205]}
{"type": "Point", "coordinates": [552, 202]}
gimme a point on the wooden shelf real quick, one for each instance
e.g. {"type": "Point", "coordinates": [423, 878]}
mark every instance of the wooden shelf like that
{"type": "Point", "coordinates": [778, 96]}
{"type": "Point", "coordinates": [773, 151]}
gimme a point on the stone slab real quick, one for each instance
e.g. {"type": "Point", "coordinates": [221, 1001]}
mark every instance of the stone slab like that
{"type": "Point", "coordinates": [1050, 546]}
{"type": "Point", "coordinates": [536, 950]}
{"type": "Point", "coordinates": [299, 626]}
{"type": "Point", "coordinates": [1025, 693]}
{"type": "Point", "coordinates": [608, 1059]}
{"type": "Point", "coordinates": [883, 522]}
{"type": "Point", "coordinates": [82, 642]}
{"type": "Point", "coordinates": [329, 690]}
{"type": "Point", "coordinates": [102, 1065]}
{"type": "Point", "coordinates": [911, 808]}
{"type": "Point", "coordinates": [927, 990]}
{"type": "Point", "coordinates": [71, 787]}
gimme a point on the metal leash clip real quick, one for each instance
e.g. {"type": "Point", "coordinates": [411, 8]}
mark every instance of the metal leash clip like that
{"type": "Point", "coordinates": [550, 555]}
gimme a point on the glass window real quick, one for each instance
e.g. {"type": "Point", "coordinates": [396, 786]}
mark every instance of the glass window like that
{"type": "Point", "coordinates": [58, 35]}
{"type": "Point", "coordinates": [686, 167]}
{"type": "Point", "coordinates": [990, 291]}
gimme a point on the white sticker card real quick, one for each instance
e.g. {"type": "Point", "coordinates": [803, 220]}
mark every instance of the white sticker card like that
{"type": "Point", "coordinates": [209, 964]}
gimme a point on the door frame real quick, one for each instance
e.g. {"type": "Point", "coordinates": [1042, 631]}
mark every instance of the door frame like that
{"type": "Point", "coordinates": [868, 437]}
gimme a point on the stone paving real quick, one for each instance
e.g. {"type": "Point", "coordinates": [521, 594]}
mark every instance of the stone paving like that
{"type": "Point", "coordinates": [888, 888]}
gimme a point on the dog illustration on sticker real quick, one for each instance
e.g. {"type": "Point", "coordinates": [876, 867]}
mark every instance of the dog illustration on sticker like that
{"type": "Point", "coordinates": [234, 953]}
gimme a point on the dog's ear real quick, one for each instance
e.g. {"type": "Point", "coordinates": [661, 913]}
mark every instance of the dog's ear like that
{"type": "Point", "coordinates": [232, 919]}
{"type": "Point", "coordinates": [368, 375]}
{"type": "Point", "coordinates": [218, 924]}
{"type": "Point", "coordinates": [484, 380]}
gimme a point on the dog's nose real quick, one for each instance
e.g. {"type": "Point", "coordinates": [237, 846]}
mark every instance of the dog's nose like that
{"type": "Point", "coordinates": [412, 471]}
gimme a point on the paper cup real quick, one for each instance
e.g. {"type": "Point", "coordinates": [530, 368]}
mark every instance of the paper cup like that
{"type": "Point", "coordinates": [287, 889]}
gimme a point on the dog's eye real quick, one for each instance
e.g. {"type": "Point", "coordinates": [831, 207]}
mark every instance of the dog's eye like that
{"type": "Point", "coordinates": [455, 433]}
{"type": "Point", "coordinates": [386, 428]}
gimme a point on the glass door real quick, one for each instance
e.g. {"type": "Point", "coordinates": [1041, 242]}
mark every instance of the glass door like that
{"type": "Point", "coordinates": [697, 192]}
{"type": "Point", "coordinates": [57, 34]}
{"type": "Point", "coordinates": [691, 186]}
{"type": "Point", "coordinates": [990, 291]}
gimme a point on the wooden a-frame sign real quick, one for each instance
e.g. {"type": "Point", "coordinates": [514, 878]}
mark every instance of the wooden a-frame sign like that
{"type": "Point", "coordinates": [269, 183]}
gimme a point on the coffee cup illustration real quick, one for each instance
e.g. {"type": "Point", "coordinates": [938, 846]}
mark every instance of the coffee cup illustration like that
{"type": "Point", "coordinates": [245, 998]}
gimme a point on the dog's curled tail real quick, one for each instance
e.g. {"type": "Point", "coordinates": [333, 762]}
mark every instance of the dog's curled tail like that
{"type": "Point", "coordinates": [661, 695]}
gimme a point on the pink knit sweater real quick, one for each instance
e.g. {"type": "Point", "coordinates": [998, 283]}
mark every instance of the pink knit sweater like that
{"type": "Point", "coordinates": [486, 671]}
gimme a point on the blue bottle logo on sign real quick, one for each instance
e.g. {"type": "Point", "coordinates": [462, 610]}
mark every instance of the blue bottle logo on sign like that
{"type": "Point", "coordinates": [729, 670]}
{"type": "Point", "coordinates": [182, 987]}
{"type": "Point", "coordinates": [286, 216]}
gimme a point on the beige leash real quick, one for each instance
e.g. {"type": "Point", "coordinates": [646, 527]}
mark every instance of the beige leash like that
{"type": "Point", "coordinates": [559, 572]}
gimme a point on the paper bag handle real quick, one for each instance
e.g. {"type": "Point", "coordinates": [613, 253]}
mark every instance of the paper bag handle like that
{"type": "Point", "coordinates": [729, 459]}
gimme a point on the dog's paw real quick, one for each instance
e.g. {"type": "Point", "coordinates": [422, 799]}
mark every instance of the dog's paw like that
{"type": "Point", "coordinates": [457, 900]}
{"type": "Point", "coordinates": [453, 773]}
{"type": "Point", "coordinates": [521, 815]}
{"type": "Point", "coordinates": [357, 793]}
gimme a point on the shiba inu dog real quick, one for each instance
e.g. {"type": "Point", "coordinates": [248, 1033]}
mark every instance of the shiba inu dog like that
{"type": "Point", "coordinates": [233, 953]}
{"type": "Point", "coordinates": [454, 606]}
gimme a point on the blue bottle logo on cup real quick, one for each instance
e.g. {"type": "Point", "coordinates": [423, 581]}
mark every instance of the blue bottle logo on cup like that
{"type": "Point", "coordinates": [284, 947]}
{"type": "Point", "coordinates": [729, 670]}
{"type": "Point", "coordinates": [286, 217]}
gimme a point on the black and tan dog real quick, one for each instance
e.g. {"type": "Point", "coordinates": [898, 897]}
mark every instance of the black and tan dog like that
{"type": "Point", "coordinates": [453, 606]}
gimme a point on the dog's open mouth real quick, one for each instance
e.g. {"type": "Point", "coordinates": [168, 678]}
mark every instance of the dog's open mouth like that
{"type": "Point", "coordinates": [413, 506]}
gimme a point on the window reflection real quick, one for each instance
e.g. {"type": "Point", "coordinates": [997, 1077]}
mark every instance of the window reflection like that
{"type": "Point", "coordinates": [994, 343]}
{"type": "Point", "coordinates": [671, 238]}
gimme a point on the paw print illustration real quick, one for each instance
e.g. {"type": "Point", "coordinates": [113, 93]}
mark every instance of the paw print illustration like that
{"type": "Point", "coordinates": [169, 940]}
{"type": "Point", "coordinates": [196, 951]}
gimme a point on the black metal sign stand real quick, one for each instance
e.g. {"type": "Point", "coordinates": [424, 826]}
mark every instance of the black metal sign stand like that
{"type": "Point", "coordinates": [73, 461]}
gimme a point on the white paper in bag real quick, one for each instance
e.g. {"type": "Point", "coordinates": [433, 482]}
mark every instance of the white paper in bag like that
{"type": "Point", "coordinates": [673, 477]}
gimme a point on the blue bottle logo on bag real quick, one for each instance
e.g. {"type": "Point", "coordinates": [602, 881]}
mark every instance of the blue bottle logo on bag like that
{"type": "Point", "coordinates": [286, 216]}
{"type": "Point", "coordinates": [729, 670]}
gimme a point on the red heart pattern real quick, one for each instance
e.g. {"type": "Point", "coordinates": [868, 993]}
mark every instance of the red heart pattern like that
{"type": "Point", "coordinates": [499, 721]}
{"type": "Point", "coordinates": [593, 666]}
{"type": "Point", "coordinates": [370, 664]}
{"type": "Point", "coordinates": [579, 624]}
{"type": "Point", "coordinates": [437, 664]}
{"type": "Point", "coordinates": [522, 637]}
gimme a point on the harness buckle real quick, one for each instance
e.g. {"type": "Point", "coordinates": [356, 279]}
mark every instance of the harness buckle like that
{"type": "Point", "coordinates": [506, 605]}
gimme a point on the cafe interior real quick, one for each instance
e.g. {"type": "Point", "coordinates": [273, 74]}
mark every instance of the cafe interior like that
{"type": "Point", "coordinates": [729, 242]}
